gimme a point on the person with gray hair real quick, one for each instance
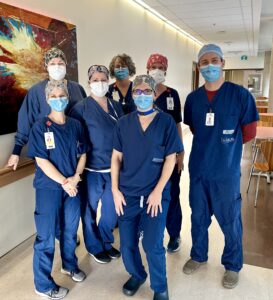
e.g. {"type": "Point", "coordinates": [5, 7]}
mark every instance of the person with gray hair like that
{"type": "Point", "coordinates": [144, 154]}
{"type": "Point", "coordinates": [58, 144]}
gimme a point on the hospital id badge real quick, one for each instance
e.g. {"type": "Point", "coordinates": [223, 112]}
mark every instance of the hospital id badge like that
{"type": "Point", "coordinates": [170, 103]}
{"type": "Point", "coordinates": [210, 119]}
{"type": "Point", "coordinates": [49, 140]}
{"type": "Point", "coordinates": [115, 95]}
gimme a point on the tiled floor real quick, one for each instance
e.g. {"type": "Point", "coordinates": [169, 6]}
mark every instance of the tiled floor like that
{"type": "Point", "coordinates": [104, 282]}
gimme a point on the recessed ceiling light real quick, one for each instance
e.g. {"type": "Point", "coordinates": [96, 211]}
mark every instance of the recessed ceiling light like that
{"type": "Point", "coordinates": [165, 20]}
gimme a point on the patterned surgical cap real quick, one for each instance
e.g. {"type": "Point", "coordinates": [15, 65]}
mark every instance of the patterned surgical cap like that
{"type": "Point", "coordinates": [54, 84]}
{"type": "Point", "coordinates": [144, 79]}
{"type": "Point", "coordinates": [54, 53]}
{"type": "Point", "coordinates": [98, 68]}
{"type": "Point", "coordinates": [157, 58]}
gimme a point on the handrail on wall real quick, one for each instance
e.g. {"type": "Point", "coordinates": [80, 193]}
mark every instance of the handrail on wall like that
{"type": "Point", "coordinates": [8, 175]}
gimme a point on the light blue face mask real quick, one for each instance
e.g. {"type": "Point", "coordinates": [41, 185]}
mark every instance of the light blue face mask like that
{"type": "Point", "coordinates": [121, 73]}
{"type": "Point", "coordinates": [211, 72]}
{"type": "Point", "coordinates": [58, 104]}
{"type": "Point", "coordinates": [144, 102]}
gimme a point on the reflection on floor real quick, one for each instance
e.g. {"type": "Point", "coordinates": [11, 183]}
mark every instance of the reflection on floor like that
{"type": "Point", "coordinates": [257, 222]}
{"type": "Point", "coordinates": [105, 281]}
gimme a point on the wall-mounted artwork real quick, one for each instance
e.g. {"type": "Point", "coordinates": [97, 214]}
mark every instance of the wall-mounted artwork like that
{"type": "Point", "coordinates": [24, 38]}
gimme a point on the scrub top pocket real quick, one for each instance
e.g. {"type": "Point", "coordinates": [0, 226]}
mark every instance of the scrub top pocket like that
{"type": "Point", "coordinates": [228, 128]}
{"type": "Point", "coordinates": [158, 154]}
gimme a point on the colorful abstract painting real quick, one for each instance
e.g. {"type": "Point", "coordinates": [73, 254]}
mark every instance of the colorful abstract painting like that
{"type": "Point", "coordinates": [24, 38]}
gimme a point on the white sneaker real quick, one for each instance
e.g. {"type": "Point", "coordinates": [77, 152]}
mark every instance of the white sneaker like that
{"type": "Point", "coordinates": [77, 275]}
{"type": "Point", "coordinates": [55, 294]}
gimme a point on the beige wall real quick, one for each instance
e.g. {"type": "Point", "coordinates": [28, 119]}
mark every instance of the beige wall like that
{"type": "Point", "coordinates": [253, 62]}
{"type": "Point", "coordinates": [104, 28]}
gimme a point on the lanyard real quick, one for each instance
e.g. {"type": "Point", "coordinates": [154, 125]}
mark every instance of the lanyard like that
{"type": "Point", "coordinates": [112, 106]}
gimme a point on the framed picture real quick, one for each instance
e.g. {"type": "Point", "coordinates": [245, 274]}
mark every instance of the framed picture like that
{"type": "Point", "coordinates": [24, 38]}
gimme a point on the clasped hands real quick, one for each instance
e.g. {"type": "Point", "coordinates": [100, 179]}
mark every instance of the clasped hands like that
{"type": "Point", "coordinates": [70, 185]}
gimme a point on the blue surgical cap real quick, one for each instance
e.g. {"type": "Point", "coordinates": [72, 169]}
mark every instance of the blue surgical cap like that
{"type": "Point", "coordinates": [210, 48]}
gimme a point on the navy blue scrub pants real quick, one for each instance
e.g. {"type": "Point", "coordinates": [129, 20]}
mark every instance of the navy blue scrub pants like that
{"type": "Point", "coordinates": [99, 237]}
{"type": "Point", "coordinates": [52, 207]}
{"type": "Point", "coordinates": [153, 234]}
{"type": "Point", "coordinates": [221, 198]}
{"type": "Point", "coordinates": [174, 216]}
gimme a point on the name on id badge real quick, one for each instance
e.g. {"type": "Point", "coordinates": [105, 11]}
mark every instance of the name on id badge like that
{"type": "Point", "coordinates": [170, 103]}
{"type": "Point", "coordinates": [210, 119]}
{"type": "Point", "coordinates": [115, 95]}
{"type": "Point", "coordinates": [49, 140]}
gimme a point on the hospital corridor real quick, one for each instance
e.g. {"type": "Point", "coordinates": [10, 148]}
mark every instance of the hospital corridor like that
{"type": "Point", "coordinates": [136, 155]}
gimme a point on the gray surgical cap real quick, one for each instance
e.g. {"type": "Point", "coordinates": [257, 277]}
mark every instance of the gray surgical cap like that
{"type": "Point", "coordinates": [210, 48]}
{"type": "Point", "coordinates": [98, 68]}
{"type": "Point", "coordinates": [53, 84]}
{"type": "Point", "coordinates": [144, 79]}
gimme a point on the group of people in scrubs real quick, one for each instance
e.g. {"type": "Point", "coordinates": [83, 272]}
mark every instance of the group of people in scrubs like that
{"type": "Point", "coordinates": [121, 147]}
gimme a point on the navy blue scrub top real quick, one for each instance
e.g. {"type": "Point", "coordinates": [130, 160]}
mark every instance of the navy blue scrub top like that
{"type": "Point", "coordinates": [126, 102]}
{"type": "Point", "coordinates": [144, 152]}
{"type": "Point", "coordinates": [35, 107]}
{"type": "Point", "coordinates": [100, 127]}
{"type": "Point", "coordinates": [162, 103]}
{"type": "Point", "coordinates": [70, 143]}
{"type": "Point", "coordinates": [217, 150]}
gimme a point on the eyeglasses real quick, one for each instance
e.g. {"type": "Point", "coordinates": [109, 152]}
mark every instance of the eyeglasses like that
{"type": "Point", "coordinates": [138, 92]}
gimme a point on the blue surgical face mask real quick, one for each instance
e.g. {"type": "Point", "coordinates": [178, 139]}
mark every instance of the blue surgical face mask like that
{"type": "Point", "coordinates": [58, 104]}
{"type": "Point", "coordinates": [144, 102]}
{"type": "Point", "coordinates": [121, 73]}
{"type": "Point", "coordinates": [211, 72]}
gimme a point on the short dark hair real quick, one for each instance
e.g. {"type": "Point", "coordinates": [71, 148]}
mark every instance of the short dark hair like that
{"type": "Point", "coordinates": [127, 60]}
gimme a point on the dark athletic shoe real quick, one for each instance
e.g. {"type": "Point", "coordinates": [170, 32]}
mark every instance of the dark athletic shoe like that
{"type": "Point", "coordinates": [161, 296]}
{"type": "Point", "coordinates": [131, 286]}
{"type": "Point", "coordinates": [101, 257]}
{"type": "Point", "coordinates": [174, 244]}
{"type": "Point", "coordinates": [113, 253]}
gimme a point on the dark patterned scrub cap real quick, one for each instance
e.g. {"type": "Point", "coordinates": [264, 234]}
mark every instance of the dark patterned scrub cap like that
{"type": "Point", "coordinates": [54, 53]}
{"type": "Point", "coordinates": [157, 58]}
{"type": "Point", "coordinates": [144, 79]}
{"type": "Point", "coordinates": [98, 68]}
{"type": "Point", "coordinates": [54, 84]}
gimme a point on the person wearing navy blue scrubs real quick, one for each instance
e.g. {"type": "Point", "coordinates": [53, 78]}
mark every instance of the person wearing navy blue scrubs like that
{"type": "Point", "coordinates": [122, 68]}
{"type": "Point", "coordinates": [99, 115]}
{"type": "Point", "coordinates": [218, 126]}
{"type": "Point", "coordinates": [167, 100]}
{"type": "Point", "coordinates": [58, 144]}
{"type": "Point", "coordinates": [35, 105]}
{"type": "Point", "coordinates": [145, 145]}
